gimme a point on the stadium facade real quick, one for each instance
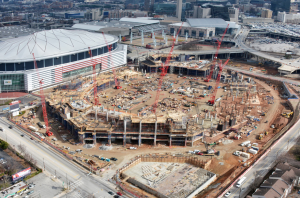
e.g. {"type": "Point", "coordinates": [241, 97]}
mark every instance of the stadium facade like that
{"type": "Point", "coordinates": [60, 54]}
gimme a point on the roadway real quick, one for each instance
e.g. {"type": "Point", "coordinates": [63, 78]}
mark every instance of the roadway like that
{"type": "Point", "coordinates": [266, 163]}
{"type": "Point", "coordinates": [240, 41]}
{"type": "Point", "coordinates": [57, 165]}
{"type": "Point", "coordinates": [282, 79]}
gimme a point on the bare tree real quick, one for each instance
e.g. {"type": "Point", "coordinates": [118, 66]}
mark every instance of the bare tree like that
{"type": "Point", "coordinates": [22, 148]}
{"type": "Point", "coordinates": [30, 159]}
{"type": "Point", "coordinates": [10, 166]}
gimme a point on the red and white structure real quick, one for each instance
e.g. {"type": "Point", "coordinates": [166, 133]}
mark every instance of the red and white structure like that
{"type": "Point", "coordinates": [60, 54]}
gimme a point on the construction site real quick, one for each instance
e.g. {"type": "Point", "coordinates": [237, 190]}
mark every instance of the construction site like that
{"type": "Point", "coordinates": [217, 119]}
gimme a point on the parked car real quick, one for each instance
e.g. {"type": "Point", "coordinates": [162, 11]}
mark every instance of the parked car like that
{"type": "Point", "coordinates": [119, 193]}
{"type": "Point", "coordinates": [10, 126]}
{"type": "Point", "coordinates": [29, 193]}
{"type": "Point", "coordinates": [132, 148]}
{"type": "Point", "coordinates": [111, 193]}
{"type": "Point", "coordinates": [31, 186]}
{"type": "Point", "coordinates": [227, 194]}
{"type": "Point", "coordinates": [114, 159]}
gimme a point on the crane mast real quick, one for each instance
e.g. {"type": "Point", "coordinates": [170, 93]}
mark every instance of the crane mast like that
{"type": "Point", "coordinates": [117, 84]}
{"type": "Point", "coordinates": [48, 132]}
{"type": "Point", "coordinates": [216, 56]}
{"type": "Point", "coordinates": [211, 102]}
{"type": "Point", "coordinates": [164, 70]}
{"type": "Point", "coordinates": [94, 78]}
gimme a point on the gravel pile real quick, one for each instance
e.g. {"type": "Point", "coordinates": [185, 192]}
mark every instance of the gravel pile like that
{"type": "Point", "coordinates": [105, 148]}
{"type": "Point", "coordinates": [88, 146]}
{"type": "Point", "coordinates": [227, 141]}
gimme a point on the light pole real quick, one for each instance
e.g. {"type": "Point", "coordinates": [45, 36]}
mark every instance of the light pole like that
{"type": "Point", "coordinates": [44, 164]}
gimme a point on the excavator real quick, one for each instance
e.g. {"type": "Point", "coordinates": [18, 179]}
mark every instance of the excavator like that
{"type": "Point", "coordinates": [287, 115]}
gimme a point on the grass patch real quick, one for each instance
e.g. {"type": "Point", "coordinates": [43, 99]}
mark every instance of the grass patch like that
{"type": "Point", "coordinates": [21, 113]}
{"type": "Point", "coordinates": [33, 174]}
{"type": "Point", "coordinates": [6, 103]}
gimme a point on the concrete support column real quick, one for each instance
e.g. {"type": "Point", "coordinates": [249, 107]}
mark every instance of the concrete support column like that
{"type": "Point", "coordinates": [94, 138]}
{"type": "Point", "coordinates": [185, 141]}
{"type": "Point", "coordinates": [140, 134]}
{"type": "Point", "coordinates": [109, 139]}
{"type": "Point", "coordinates": [124, 136]}
{"type": "Point", "coordinates": [155, 131]}
{"type": "Point", "coordinates": [81, 138]}
{"type": "Point", "coordinates": [170, 141]}
{"type": "Point", "coordinates": [72, 129]}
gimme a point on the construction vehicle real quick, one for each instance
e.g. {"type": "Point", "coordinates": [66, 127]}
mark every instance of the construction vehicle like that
{"type": "Point", "coordinates": [216, 56]}
{"type": "Point", "coordinates": [209, 150]}
{"type": "Point", "coordinates": [261, 136]}
{"type": "Point", "coordinates": [48, 132]}
{"type": "Point", "coordinates": [117, 84]}
{"type": "Point", "coordinates": [164, 70]}
{"type": "Point", "coordinates": [287, 115]}
{"type": "Point", "coordinates": [237, 137]}
{"type": "Point", "coordinates": [211, 102]}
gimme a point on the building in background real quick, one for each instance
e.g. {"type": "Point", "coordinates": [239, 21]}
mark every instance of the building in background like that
{"type": "Point", "coordinates": [216, 11]}
{"type": "Point", "coordinates": [288, 18]}
{"type": "Point", "coordinates": [266, 13]}
{"type": "Point", "coordinates": [93, 14]}
{"type": "Point", "coordinates": [118, 14]}
{"type": "Point", "coordinates": [204, 28]}
{"type": "Point", "coordinates": [179, 9]}
{"type": "Point", "coordinates": [168, 9]}
{"type": "Point", "coordinates": [233, 14]}
{"type": "Point", "coordinates": [148, 5]}
{"type": "Point", "coordinates": [200, 12]}
{"type": "Point", "coordinates": [280, 6]}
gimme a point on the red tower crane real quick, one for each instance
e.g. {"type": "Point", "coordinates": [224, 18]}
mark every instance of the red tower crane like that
{"type": "Point", "coordinates": [94, 78]}
{"type": "Point", "coordinates": [211, 102]}
{"type": "Point", "coordinates": [117, 84]}
{"type": "Point", "coordinates": [48, 132]}
{"type": "Point", "coordinates": [164, 70]}
{"type": "Point", "coordinates": [215, 57]}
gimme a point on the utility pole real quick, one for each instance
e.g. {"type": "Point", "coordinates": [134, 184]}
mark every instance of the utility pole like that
{"type": "Point", "coordinates": [44, 164]}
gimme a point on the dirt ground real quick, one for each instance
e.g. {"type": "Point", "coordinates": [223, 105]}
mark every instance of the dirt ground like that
{"type": "Point", "coordinates": [123, 154]}
{"type": "Point", "coordinates": [221, 165]}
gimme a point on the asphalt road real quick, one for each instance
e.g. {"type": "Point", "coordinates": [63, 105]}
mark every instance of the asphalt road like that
{"type": "Point", "coordinates": [263, 166]}
{"type": "Point", "coordinates": [56, 165]}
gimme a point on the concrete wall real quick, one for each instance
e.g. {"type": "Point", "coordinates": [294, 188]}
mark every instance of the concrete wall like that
{"type": "Point", "coordinates": [146, 188]}
{"type": "Point", "coordinates": [203, 186]}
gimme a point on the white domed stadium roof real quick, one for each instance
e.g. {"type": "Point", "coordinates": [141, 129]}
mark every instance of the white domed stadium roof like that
{"type": "Point", "coordinates": [50, 44]}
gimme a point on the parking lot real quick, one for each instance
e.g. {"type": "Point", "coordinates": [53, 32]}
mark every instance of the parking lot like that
{"type": "Point", "coordinates": [45, 187]}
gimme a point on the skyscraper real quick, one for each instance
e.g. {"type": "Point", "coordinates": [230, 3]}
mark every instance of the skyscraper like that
{"type": "Point", "coordinates": [179, 9]}
{"type": "Point", "coordinates": [148, 5]}
{"type": "Point", "coordinates": [280, 5]}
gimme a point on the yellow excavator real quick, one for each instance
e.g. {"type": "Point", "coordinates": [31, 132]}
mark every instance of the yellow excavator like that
{"type": "Point", "coordinates": [287, 115]}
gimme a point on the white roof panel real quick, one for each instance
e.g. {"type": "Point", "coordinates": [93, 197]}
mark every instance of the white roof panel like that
{"type": "Point", "coordinates": [87, 27]}
{"type": "Point", "coordinates": [51, 43]}
{"type": "Point", "coordinates": [139, 20]}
